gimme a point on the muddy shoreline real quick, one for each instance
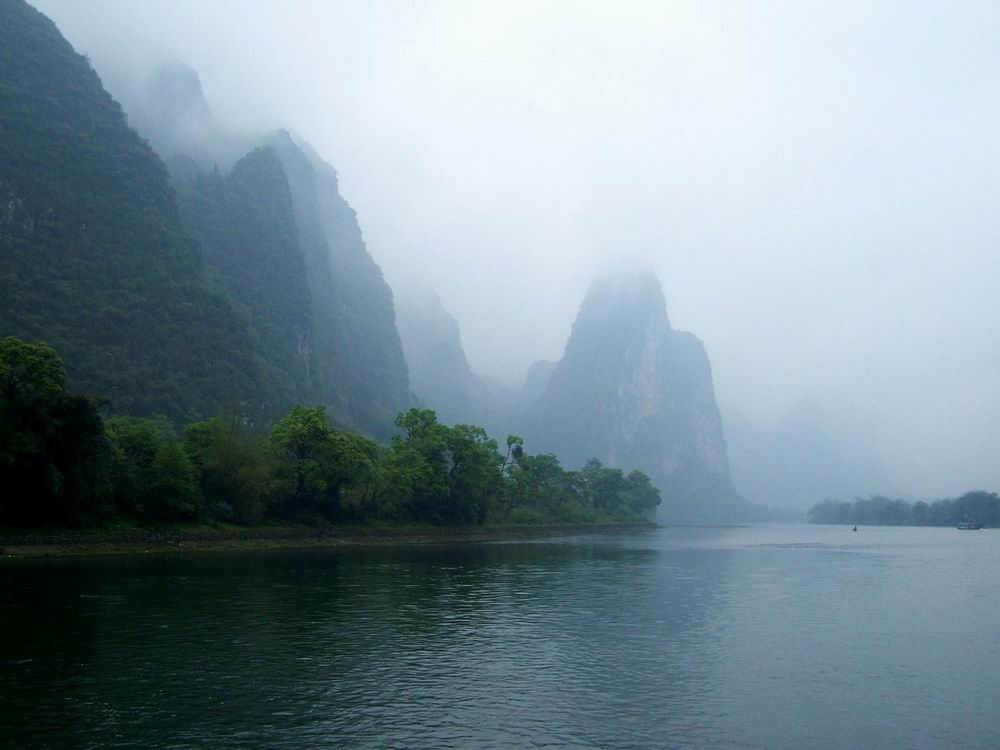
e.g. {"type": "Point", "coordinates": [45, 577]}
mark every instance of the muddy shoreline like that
{"type": "Point", "coordinates": [139, 542]}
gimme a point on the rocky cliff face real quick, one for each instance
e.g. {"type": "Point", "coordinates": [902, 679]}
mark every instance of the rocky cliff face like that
{"type": "Point", "coordinates": [439, 371]}
{"type": "Point", "coordinates": [630, 391]}
{"type": "Point", "coordinates": [363, 372]}
{"type": "Point", "coordinates": [535, 382]}
{"type": "Point", "coordinates": [634, 393]}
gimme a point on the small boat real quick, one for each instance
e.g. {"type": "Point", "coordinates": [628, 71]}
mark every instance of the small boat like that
{"type": "Point", "coordinates": [969, 526]}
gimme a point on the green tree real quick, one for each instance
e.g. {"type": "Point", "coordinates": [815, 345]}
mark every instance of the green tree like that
{"type": "Point", "coordinates": [54, 460]}
{"type": "Point", "coordinates": [424, 446]}
{"type": "Point", "coordinates": [303, 445]}
{"type": "Point", "coordinates": [515, 450]}
{"type": "Point", "coordinates": [604, 486]}
{"type": "Point", "coordinates": [475, 475]}
{"type": "Point", "coordinates": [355, 460]}
{"type": "Point", "coordinates": [641, 495]}
{"type": "Point", "coordinates": [171, 493]}
{"type": "Point", "coordinates": [320, 466]}
{"type": "Point", "coordinates": [235, 472]}
{"type": "Point", "coordinates": [31, 375]}
{"type": "Point", "coordinates": [447, 475]}
{"type": "Point", "coordinates": [154, 480]}
{"type": "Point", "coordinates": [540, 489]}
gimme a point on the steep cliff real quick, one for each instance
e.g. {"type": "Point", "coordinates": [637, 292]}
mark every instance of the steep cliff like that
{"type": "Point", "coordinates": [634, 393]}
{"type": "Point", "coordinates": [370, 366]}
{"type": "Point", "coordinates": [245, 222]}
{"type": "Point", "coordinates": [536, 380]}
{"type": "Point", "coordinates": [362, 371]}
{"type": "Point", "coordinates": [441, 375]}
{"type": "Point", "coordinates": [439, 372]}
{"type": "Point", "coordinates": [93, 257]}
{"type": "Point", "coordinates": [351, 346]}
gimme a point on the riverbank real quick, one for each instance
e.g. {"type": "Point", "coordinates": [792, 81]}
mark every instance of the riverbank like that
{"type": "Point", "coordinates": [16, 545]}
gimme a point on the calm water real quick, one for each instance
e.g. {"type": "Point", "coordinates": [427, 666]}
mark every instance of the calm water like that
{"type": "Point", "coordinates": [761, 637]}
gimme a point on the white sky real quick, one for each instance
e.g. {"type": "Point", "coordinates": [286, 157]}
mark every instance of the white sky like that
{"type": "Point", "coordinates": [816, 183]}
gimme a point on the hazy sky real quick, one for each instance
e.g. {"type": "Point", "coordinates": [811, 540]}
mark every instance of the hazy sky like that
{"type": "Point", "coordinates": [816, 183]}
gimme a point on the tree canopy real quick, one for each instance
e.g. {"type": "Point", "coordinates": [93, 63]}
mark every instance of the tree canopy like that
{"type": "Point", "coordinates": [64, 461]}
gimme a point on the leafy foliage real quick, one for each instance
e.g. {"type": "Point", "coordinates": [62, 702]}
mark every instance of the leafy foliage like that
{"type": "Point", "coordinates": [453, 475]}
{"type": "Point", "coordinates": [153, 477]}
{"type": "Point", "coordinates": [235, 470]}
{"type": "Point", "coordinates": [317, 464]}
{"type": "Point", "coordinates": [54, 457]}
{"type": "Point", "coordinates": [66, 464]}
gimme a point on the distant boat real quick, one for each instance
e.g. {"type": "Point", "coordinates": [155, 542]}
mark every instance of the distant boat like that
{"type": "Point", "coordinates": [969, 526]}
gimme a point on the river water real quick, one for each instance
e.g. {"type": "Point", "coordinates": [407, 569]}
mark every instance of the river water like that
{"type": "Point", "coordinates": [759, 637]}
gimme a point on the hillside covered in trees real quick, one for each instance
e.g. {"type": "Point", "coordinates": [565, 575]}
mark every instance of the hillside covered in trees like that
{"type": "Point", "coordinates": [93, 254]}
{"type": "Point", "coordinates": [350, 344]}
{"type": "Point", "coordinates": [190, 292]}
{"type": "Point", "coordinates": [245, 223]}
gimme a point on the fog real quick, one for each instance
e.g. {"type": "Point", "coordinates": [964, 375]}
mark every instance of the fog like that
{"type": "Point", "coordinates": [815, 183]}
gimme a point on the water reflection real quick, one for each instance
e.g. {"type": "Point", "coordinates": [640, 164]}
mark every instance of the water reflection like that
{"type": "Point", "coordinates": [479, 644]}
{"type": "Point", "coordinates": [760, 637]}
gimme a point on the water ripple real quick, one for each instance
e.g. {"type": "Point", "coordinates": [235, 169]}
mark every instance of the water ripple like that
{"type": "Point", "coordinates": [760, 637]}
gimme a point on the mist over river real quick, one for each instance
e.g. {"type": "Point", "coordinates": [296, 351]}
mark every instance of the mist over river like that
{"type": "Point", "coordinates": [756, 637]}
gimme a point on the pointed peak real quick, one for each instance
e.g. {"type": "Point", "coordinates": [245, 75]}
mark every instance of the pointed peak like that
{"type": "Point", "coordinates": [631, 282]}
{"type": "Point", "coordinates": [633, 294]}
{"type": "Point", "coordinates": [174, 90]}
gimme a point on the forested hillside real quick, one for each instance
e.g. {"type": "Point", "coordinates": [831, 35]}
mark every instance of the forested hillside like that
{"type": "Point", "coordinates": [248, 290]}
{"type": "Point", "coordinates": [93, 256]}
{"type": "Point", "coordinates": [356, 365]}
{"type": "Point", "coordinates": [245, 222]}
{"type": "Point", "coordinates": [257, 294]}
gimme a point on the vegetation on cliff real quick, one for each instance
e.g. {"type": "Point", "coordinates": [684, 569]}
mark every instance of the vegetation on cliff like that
{"type": "Point", "coordinates": [245, 222]}
{"type": "Point", "coordinates": [93, 255]}
{"type": "Point", "coordinates": [245, 292]}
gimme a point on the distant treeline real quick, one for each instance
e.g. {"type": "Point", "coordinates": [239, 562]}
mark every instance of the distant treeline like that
{"type": "Point", "coordinates": [64, 462]}
{"type": "Point", "coordinates": [980, 507]}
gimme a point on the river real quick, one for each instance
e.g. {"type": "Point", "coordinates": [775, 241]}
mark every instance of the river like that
{"type": "Point", "coordinates": [771, 636]}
